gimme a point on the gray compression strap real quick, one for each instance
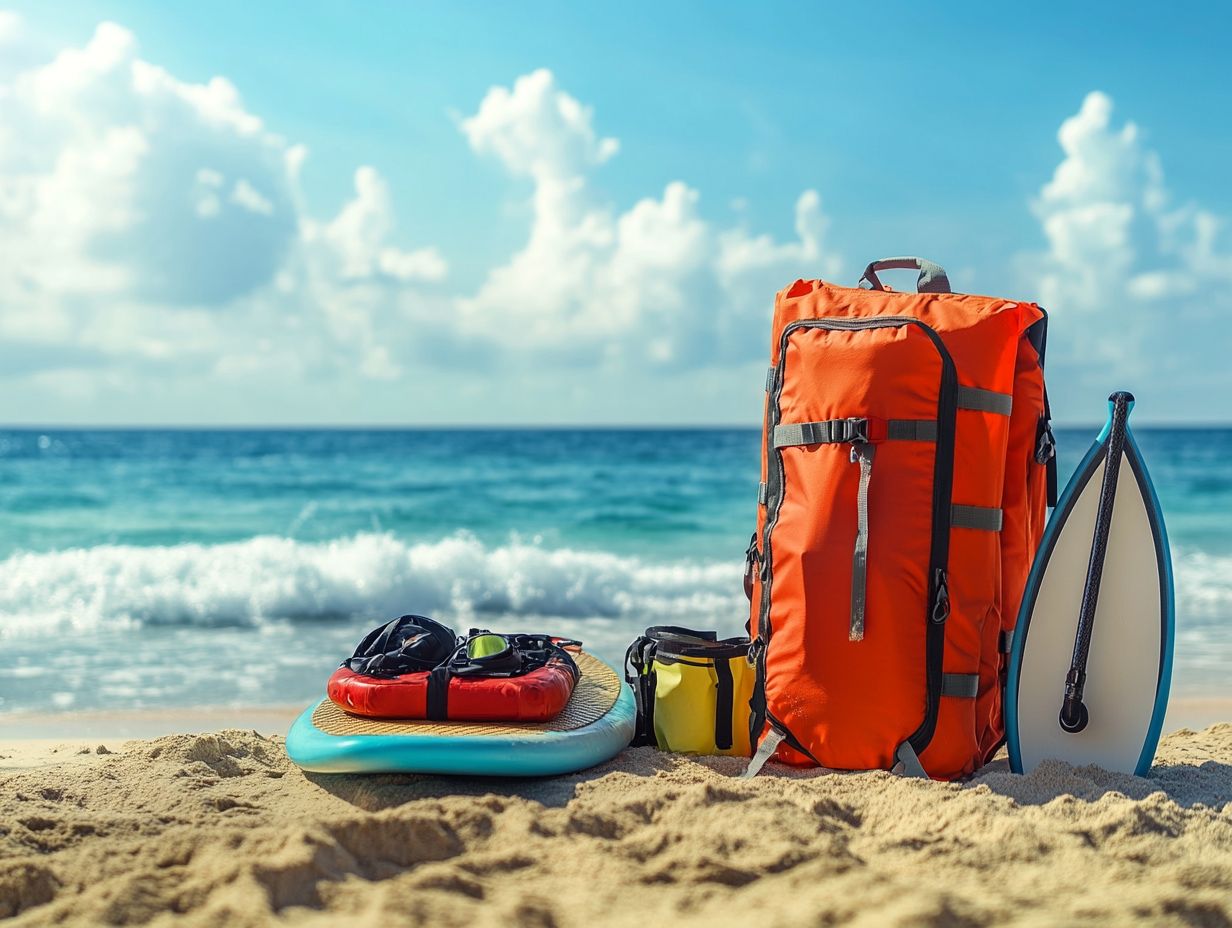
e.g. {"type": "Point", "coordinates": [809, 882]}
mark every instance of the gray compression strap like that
{"type": "Point", "coordinates": [981, 518]}
{"type": "Point", "coordinates": [763, 493]}
{"type": "Point", "coordinates": [980, 400]}
{"type": "Point", "coordinates": [817, 433]}
{"type": "Point", "coordinates": [908, 763]}
{"type": "Point", "coordinates": [911, 430]}
{"type": "Point", "coordinates": [831, 431]}
{"type": "Point", "coordinates": [772, 740]}
{"type": "Point", "coordinates": [962, 685]}
{"type": "Point", "coordinates": [770, 379]}
{"type": "Point", "coordinates": [932, 279]}
{"type": "Point", "coordinates": [863, 455]}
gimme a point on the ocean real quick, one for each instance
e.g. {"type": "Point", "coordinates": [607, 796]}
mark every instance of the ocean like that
{"type": "Point", "coordinates": [175, 568]}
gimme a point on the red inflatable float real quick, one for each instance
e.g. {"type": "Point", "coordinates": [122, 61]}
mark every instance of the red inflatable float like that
{"type": "Point", "coordinates": [416, 668]}
{"type": "Point", "coordinates": [536, 696]}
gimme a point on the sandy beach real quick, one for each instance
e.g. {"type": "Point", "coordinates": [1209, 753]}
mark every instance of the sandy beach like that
{"type": "Point", "coordinates": [220, 828]}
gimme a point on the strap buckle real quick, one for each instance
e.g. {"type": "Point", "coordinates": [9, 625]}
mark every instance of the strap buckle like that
{"type": "Point", "coordinates": [751, 557]}
{"type": "Point", "coordinates": [852, 430]}
{"type": "Point", "coordinates": [864, 429]}
{"type": "Point", "coordinates": [1046, 443]}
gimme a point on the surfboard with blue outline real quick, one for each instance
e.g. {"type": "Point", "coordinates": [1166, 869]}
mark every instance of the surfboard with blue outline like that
{"type": "Point", "coordinates": [595, 725]}
{"type": "Point", "coordinates": [1091, 662]}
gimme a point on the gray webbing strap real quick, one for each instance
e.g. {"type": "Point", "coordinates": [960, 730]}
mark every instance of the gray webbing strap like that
{"type": "Point", "coordinates": [981, 400]}
{"type": "Point", "coordinates": [773, 738]}
{"type": "Point", "coordinates": [1005, 643]}
{"type": "Point", "coordinates": [856, 429]}
{"type": "Point", "coordinates": [831, 431]}
{"type": "Point", "coordinates": [863, 455]}
{"type": "Point", "coordinates": [962, 685]}
{"type": "Point", "coordinates": [911, 430]}
{"type": "Point", "coordinates": [769, 379]}
{"type": "Point", "coordinates": [907, 763]}
{"type": "Point", "coordinates": [817, 433]}
{"type": "Point", "coordinates": [763, 493]}
{"type": "Point", "coordinates": [981, 518]}
{"type": "Point", "coordinates": [932, 277]}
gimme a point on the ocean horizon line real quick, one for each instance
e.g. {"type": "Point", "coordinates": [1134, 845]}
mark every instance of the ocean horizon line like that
{"type": "Point", "coordinates": [517, 427]}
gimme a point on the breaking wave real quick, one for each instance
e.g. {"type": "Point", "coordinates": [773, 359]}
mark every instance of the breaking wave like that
{"type": "Point", "coordinates": [269, 579]}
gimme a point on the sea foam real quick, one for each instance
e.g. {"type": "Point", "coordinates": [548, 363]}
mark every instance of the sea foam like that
{"type": "Point", "coordinates": [268, 578]}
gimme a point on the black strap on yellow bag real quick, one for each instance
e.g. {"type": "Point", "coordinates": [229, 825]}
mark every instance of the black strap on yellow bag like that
{"type": "Point", "coordinates": [692, 690]}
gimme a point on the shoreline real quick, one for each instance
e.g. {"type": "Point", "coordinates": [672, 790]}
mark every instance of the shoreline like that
{"type": "Point", "coordinates": [126, 724]}
{"type": "Point", "coordinates": [1186, 712]}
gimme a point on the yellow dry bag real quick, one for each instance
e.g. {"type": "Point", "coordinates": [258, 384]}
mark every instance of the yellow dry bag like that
{"type": "Point", "coordinates": [692, 691]}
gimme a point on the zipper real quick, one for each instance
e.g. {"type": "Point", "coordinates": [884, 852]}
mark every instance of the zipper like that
{"type": "Point", "coordinates": [937, 607]}
{"type": "Point", "coordinates": [792, 741]}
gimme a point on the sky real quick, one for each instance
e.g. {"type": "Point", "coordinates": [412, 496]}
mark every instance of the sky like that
{"type": "Point", "coordinates": [578, 214]}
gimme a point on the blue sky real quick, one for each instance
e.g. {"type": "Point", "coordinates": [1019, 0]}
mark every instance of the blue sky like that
{"type": "Point", "coordinates": [573, 213]}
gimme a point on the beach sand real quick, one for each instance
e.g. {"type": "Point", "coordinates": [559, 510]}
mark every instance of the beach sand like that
{"type": "Point", "coordinates": [220, 829]}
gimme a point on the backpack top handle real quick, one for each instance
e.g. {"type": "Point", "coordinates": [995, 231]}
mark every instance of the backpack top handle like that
{"type": "Point", "coordinates": [933, 278]}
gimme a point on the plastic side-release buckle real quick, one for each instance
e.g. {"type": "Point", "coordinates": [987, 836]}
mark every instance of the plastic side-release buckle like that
{"type": "Point", "coordinates": [852, 430]}
{"type": "Point", "coordinates": [1045, 443]}
{"type": "Point", "coordinates": [861, 429]}
{"type": "Point", "coordinates": [751, 557]}
{"type": "Point", "coordinates": [858, 430]}
{"type": "Point", "coordinates": [875, 429]}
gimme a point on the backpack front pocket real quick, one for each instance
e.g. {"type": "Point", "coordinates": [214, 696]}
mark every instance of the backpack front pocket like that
{"type": "Point", "coordinates": [860, 475]}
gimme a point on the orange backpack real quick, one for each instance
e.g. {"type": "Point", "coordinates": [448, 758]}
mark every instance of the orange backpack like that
{"type": "Point", "coordinates": [906, 468]}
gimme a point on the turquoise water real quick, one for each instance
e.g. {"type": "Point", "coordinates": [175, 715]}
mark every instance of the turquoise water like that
{"type": "Point", "coordinates": [178, 568]}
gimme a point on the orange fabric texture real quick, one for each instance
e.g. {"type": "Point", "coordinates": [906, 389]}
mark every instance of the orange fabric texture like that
{"type": "Point", "coordinates": [848, 702]}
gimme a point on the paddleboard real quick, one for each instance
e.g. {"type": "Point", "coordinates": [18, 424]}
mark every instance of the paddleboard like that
{"type": "Point", "coordinates": [595, 725]}
{"type": "Point", "coordinates": [1091, 662]}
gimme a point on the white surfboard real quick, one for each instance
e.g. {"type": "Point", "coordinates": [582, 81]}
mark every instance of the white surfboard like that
{"type": "Point", "coordinates": [1104, 703]}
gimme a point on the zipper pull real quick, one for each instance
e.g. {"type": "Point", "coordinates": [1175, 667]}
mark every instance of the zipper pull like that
{"type": "Point", "coordinates": [862, 454]}
{"type": "Point", "coordinates": [941, 598]}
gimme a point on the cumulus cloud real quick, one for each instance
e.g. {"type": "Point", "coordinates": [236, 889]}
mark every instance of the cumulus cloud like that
{"type": "Point", "coordinates": [103, 185]}
{"type": "Point", "coordinates": [155, 228]}
{"type": "Point", "coordinates": [147, 220]}
{"type": "Point", "coordinates": [356, 239]}
{"type": "Point", "coordinates": [538, 130]}
{"type": "Point", "coordinates": [1130, 275]}
{"type": "Point", "coordinates": [656, 284]}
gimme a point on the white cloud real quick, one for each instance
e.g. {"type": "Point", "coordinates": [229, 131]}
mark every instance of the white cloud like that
{"type": "Point", "coordinates": [155, 228]}
{"type": "Point", "coordinates": [538, 130]}
{"type": "Point", "coordinates": [656, 284]}
{"type": "Point", "coordinates": [145, 219]}
{"type": "Point", "coordinates": [245, 194]}
{"type": "Point", "coordinates": [154, 231]}
{"type": "Point", "coordinates": [106, 184]}
{"type": "Point", "coordinates": [10, 27]}
{"type": "Point", "coordinates": [1132, 279]}
{"type": "Point", "coordinates": [357, 238]}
